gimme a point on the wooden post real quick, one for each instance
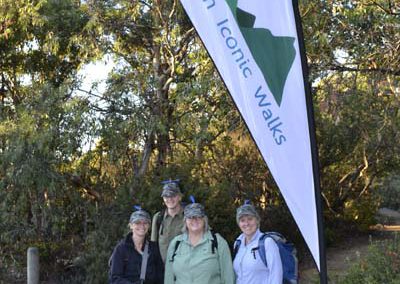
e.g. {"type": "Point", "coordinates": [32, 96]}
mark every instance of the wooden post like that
{"type": "Point", "coordinates": [33, 265]}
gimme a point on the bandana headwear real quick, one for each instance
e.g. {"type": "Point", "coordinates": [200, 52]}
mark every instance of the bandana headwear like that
{"type": "Point", "coordinates": [139, 215]}
{"type": "Point", "coordinates": [246, 209]}
{"type": "Point", "coordinates": [170, 188]}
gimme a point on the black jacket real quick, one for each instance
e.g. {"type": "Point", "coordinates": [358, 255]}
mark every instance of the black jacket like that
{"type": "Point", "coordinates": [126, 263]}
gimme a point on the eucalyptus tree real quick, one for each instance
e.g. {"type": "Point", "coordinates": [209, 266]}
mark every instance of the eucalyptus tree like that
{"type": "Point", "coordinates": [40, 41]}
{"type": "Point", "coordinates": [353, 51]}
{"type": "Point", "coordinates": [164, 90]}
{"type": "Point", "coordinates": [42, 125]}
{"type": "Point", "coordinates": [352, 36]}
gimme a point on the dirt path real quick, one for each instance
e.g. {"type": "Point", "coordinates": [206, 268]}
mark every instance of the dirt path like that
{"type": "Point", "coordinates": [342, 256]}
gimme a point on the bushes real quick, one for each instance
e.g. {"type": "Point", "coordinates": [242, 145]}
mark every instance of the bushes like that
{"type": "Point", "coordinates": [382, 264]}
{"type": "Point", "coordinates": [389, 191]}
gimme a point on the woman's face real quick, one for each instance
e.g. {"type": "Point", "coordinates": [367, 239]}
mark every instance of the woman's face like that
{"type": "Point", "coordinates": [140, 228]}
{"type": "Point", "coordinates": [248, 224]}
{"type": "Point", "coordinates": [173, 201]}
{"type": "Point", "coordinates": [195, 224]}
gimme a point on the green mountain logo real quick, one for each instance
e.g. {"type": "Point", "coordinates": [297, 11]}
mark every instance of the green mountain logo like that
{"type": "Point", "coordinates": [274, 55]}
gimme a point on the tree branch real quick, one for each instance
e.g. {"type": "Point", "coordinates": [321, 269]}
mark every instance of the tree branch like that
{"type": "Point", "coordinates": [386, 10]}
{"type": "Point", "coordinates": [363, 70]}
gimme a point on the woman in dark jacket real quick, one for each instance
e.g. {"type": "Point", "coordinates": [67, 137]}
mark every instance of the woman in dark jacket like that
{"type": "Point", "coordinates": [126, 260]}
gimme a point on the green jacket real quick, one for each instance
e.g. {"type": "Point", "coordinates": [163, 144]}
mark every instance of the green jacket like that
{"type": "Point", "coordinates": [170, 228]}
{"type": "Point", "coordinates": [198, 265]}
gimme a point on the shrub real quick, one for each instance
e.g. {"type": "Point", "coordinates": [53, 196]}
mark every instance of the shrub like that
{"type": "Point", "coordinates": [390, 192]}
{"type": "Point", "coordinates": [381, 265]}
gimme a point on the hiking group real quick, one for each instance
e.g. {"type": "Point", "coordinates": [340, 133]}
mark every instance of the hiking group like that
{"type": "Point", "coordinates": [183, 249]}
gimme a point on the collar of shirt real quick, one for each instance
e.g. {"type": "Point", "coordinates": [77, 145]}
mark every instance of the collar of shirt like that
{"type": "Point", "coordinates": [255, 237]}
{"type": "Point", "coordinates": [206, 236]}
{"type": "Point", "coordinates": [177, 214]}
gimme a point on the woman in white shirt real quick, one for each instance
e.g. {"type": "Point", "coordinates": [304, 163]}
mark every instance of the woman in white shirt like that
{"type": "Point", "coordinates": [248, 266]}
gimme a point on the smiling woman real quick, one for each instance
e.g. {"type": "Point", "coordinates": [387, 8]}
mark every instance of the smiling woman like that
{"type": "Point", "coordinates": [135, 259]}
{"type": "Point", "coordinates": [198, 256]}
{"type": "Point", "coordinates": [248, 264]}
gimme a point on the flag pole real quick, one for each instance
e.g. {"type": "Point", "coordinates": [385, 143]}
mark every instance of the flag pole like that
{"type": "Point", "coordinates": [314, 148]}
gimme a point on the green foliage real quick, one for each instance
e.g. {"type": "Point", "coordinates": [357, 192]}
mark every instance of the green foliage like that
{"type": "Point", "coordinates": [73, 163]}
{"type": "Point", "coordinates": [357, 129]}
{"type": "Point", "coordinates": [42, 40]}
{"type": "Point", "coordinates": [39, 205]}
{"type": "Point", "coordinates": [356, 98]}
{"type": "Point", "coordinates": [381, 265]}
{"type": "Point", "coordinates": [389, 191]}
{"type": "Point", "coordinates": [100, 243]}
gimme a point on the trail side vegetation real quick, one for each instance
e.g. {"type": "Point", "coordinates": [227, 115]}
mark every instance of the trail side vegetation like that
{"type": "Point", "coordinates": [382, 264]}
{"type": "Point", "coordinates": [75, 159]}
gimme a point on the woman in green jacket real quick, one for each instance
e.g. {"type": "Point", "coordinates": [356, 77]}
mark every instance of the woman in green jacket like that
{"type": "Point", "coordinates": [198, 256]}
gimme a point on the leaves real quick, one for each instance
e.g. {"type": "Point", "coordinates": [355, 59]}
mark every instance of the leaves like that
{"type": "Point", "coordinates": [72, 163]}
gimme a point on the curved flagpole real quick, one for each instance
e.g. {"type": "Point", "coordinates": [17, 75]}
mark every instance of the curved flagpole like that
{"type": "Point", "coordinates": [314, 148]}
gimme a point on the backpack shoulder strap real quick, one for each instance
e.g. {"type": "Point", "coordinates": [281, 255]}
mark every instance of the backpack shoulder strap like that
{"type": "Point", "coordinates": [261, 248]}
{"type": "Point", "coordinates": [236, 246]}
{"type": "Point", "coordinates": [145, 258]}
{"type": "Point", "coordinates": [159, 220]}
{"type": "Point", "coordinates": [177, 243]}
{"type": "Point", "coordinates": [214, 242]}
{"type": "Point", "coordinates": [214, 245]}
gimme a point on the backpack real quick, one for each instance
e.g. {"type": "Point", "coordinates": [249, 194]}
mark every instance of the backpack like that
{"type": "Point", "coordinates": [159, 220]}
{"type": "Point", "coordinates": [287, 251]}
{"type": "Point", "coordinates": [214, 245]}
